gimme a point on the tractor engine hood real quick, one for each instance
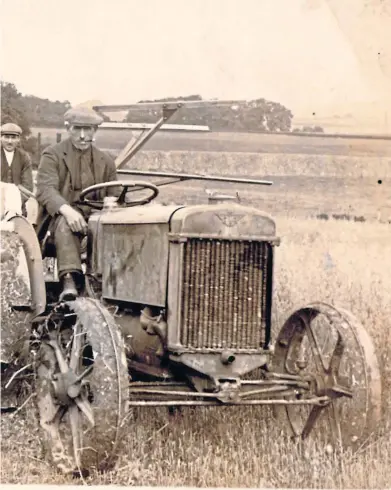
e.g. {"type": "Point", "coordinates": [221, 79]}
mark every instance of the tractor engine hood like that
{"type": "Point", "coordinates": [227, 220]}
{"type": "Point", "coordinates": [130, 247]}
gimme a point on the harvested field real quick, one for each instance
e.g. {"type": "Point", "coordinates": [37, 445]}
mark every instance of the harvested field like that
{"type": "Point", "coordinates": [237, 142]}
{"type": "Point", "coordinates": [304, 197]}
{"type": "Point", "coordinates": [345, 263]}
{"type": "Point", "coordinates": [260, 164]}
{"type": "Point", "coordinates": [303, 185]}
{"type": "Point", "coordinates": [312, 175]}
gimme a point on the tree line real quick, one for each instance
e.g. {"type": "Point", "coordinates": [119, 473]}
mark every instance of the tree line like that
{"type": "Point", "coordinates": [258, 115]}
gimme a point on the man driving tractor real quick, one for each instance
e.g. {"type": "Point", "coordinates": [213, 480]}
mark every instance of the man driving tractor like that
{"type": "Point", "coordinates": [65, 169]}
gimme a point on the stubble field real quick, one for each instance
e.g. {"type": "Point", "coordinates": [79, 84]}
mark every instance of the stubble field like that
{"type": "Point", "coordinates": [344, 263]}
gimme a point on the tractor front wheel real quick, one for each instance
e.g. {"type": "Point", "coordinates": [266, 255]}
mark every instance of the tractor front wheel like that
{"type": "Point", "coordinates": [82, 386]}
{"type": "Point", "coordinates": [331, 348]}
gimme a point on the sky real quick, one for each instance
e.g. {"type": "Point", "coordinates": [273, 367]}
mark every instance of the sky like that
{"type": "Point", "coordinates": [309, 55]}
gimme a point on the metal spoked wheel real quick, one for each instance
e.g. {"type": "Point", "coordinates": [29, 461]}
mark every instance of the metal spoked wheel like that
{"type": "Point", "coordinates": [334, 351]}
{"type": "Point", "coordinates": [82, 387]}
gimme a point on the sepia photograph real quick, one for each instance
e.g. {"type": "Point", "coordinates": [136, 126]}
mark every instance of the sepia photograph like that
{"type": "Point", "coordinates": [195, 243]}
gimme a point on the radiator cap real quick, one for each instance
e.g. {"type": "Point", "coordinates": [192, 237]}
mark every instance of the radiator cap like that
{"type": "Point", "coordinates": [217, 198]}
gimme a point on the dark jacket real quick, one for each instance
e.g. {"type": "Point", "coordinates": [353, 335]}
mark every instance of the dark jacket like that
{"type": "Point", "coordinates": [21, 171]}
{"type": "Point", "coordinates": [58, 178]}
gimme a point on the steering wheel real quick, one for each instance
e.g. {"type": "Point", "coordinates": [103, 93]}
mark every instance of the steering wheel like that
{"type": "Point", "coordinates": [125, 184]}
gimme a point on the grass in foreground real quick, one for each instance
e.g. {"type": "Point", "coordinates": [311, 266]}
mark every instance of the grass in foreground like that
{"type": "Point", "coordinates": [345, 263]}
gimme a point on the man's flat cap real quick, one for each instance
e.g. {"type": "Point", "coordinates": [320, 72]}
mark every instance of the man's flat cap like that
{"type": "Point", "coordinates": [82, 116]}
{"type": "Point", "coordinates": [11, 128]}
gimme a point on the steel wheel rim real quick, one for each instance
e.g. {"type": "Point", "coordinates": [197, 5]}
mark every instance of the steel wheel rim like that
{"type": "Point", "coordinates": [351, 357]}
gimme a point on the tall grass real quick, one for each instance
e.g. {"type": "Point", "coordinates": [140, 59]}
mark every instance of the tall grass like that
{"type": "Point", "coordinates": [344, 263]}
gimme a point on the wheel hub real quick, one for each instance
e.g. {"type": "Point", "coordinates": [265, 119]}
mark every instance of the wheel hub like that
{"type": "Point", "coordinates": [66, 387]}
{"type": "Point", "coordinates": [329, 385]}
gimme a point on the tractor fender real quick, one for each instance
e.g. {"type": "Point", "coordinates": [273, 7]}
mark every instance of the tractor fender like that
{"type": "Point", "coordinates": [25, 231]}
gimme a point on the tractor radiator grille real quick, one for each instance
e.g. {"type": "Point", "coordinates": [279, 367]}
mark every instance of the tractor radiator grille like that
{"type": "Point", "coordinates": [223, 294]}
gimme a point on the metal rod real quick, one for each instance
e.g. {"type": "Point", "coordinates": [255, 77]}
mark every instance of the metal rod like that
{"type": "Point", "coordinates": [189, 104]}
{"type": "Point", "coordinates": [274, 390]}
{"type": "Point", "coordinates": [155, 383]}
{"type": "Point", "coordinates": [167, 182]}
{"type": "Point", "coordinates": [290, 382]}
{"type": "Point", "coordinates": [285, 376]}
{"type": "Point", "coordinates": [126, 149]}
{"type": "Point", "coordinates": [258, 382]}
{"type": "Point", "coordinates": [139, 143]}
{"type": "Point", "coordinates": [194, 394]}
{"type": "Point", "coordinates": [144, 126]}
{"type": "Point", "coordinates": [193, 177]}
{"type": "Point", "coordinates": [145, 403]}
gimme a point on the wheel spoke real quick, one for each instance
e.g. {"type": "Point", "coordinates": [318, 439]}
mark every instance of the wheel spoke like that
{"type": "Point", "coordinates": [314, 344]}
{"type": "Point", "coordinates": [62, 364]}
{"type": "Point", "coordinates": [85, 373]}
{"type": "Point", "coordinates": [335, 424]}
{"type": "Point", "coordinates": [342, 389]}
{"type": "Point", "coordinates": [76, 348]}
{"type": "Point", "coordinates": [74, 420]}
{"type": "Point", "coordinates": [311, 421]}
{"type": "Point", "coordinates": [59, 415]}
{"type": "Point", "coordinates": [121, 197]}
{"type": "Point", "coordinates": [85, 407]}
{"type": "Point", "coordinates": [336, 357]}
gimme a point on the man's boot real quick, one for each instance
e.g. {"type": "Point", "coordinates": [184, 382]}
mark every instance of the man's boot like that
{"type": "Point", "coordinates": [69, 291]}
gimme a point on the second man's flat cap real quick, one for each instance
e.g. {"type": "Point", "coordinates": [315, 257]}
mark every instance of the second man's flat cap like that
{"type": "Point", "coordinates": [11, 128]}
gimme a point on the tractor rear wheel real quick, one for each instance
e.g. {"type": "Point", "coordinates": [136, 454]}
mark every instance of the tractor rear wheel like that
{"type": "Point", "coordinates": [333, 349]}
{"type": "Point", "coordinates": [15, 324]}
{"type": "Point", "coordinates": [15, 291]}
{"type": "Point", "coordinates": [82, 386]}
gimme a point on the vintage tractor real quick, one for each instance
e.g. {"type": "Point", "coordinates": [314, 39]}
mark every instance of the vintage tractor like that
{"type": "Point", "coordinates": [177, 311]}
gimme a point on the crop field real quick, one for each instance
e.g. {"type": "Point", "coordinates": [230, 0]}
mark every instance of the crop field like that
{"type": "Point", "coordinates": [346, 263]}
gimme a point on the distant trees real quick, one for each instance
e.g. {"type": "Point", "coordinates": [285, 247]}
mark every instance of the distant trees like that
{"type": "Point", "coordinates": [44, 112]}
{"type": "Point", "coordinates": [30, 110]}
{"type": "Point", "coordinates": [256, 115]}
{"type": "Point", "coordinates": [13, 109]}
{"type": "Point", "coordinates": [309, 129]}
